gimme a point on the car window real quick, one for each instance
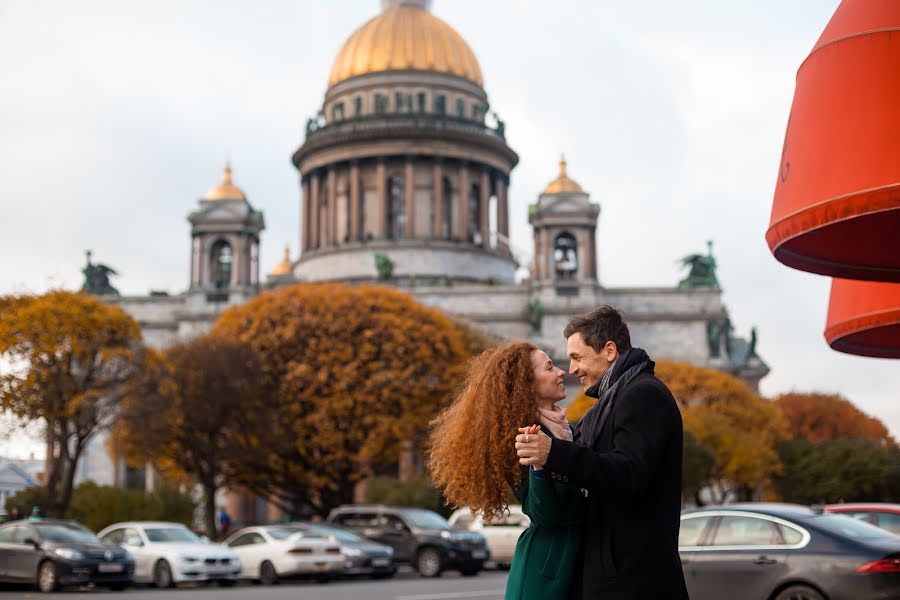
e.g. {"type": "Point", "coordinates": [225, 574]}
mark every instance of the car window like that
{"type": "Point", "coordinates": [426, 519]}
{"type": "Point", "coordinates": [692, 529]}
{"type": "Point", "coordinates": [865, 517]}
{"type": "Point", "coordinates": [283, 533]}
{"type": "Point", "coordinates": [22, 533]}
{"type": "Point", "coordinates": [116, 536]}
{"type": "Point", "coordinates": [357, 519]}
{"type": "Point", "coordinates": [341, 534]}
{"type": "Point", "coordinates": [889, 521]}
{"type": "Point", "coordinates": [248, 539]}
{"type": "Point", "coordinates": [393, 523]}
{"type": "Point", "coordinates": [170, 534]}
{"type": "Point", "coordinates": [7, 533]}
{"type": "Point", "coordinates": [791, 536]}
{"type": "Point", "coordinates": [63, 532]}
{"type": "Point", "coordinates": [848, 527]}
{"type": "Point", "coordinates": [463, 520]}
{"type": "Point", "coordinates": [745, 531]}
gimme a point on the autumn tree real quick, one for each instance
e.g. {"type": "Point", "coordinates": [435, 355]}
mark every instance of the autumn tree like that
{"type": "Point", "coordinates": [66, 358]}
{"type": "Point", "coordinates": [187, 414]}
{"type": "Point", "coordinates": [354, 371]}
{"type": "Point", "coordinates": [739, 429]}
{"type": "Point", "coordinates": [821, 417]}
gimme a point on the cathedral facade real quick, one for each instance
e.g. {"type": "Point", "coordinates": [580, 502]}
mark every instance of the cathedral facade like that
{"type": "Point", "coordinates": [404, 173]}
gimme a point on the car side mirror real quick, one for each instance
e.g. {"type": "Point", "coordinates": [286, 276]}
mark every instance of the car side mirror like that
{"type": "Point", "coordinates": [31, 542]}
{"type": "Point", "coordinates": [134, 541]}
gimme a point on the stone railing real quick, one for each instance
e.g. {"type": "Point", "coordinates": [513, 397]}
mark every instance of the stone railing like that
{"type": "Point", "coordinates": [397, 122]}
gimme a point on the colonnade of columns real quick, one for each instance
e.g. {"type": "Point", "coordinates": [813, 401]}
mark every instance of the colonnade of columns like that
{"type": "Point", "coordinates": [320, 210]}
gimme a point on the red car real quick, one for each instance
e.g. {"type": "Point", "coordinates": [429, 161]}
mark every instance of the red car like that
{"type": "Point", "coordinates": [881, 514]}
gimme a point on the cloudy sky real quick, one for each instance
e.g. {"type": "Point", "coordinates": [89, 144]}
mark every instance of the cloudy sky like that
{"type": "Point", "coordinates": [117, 115]}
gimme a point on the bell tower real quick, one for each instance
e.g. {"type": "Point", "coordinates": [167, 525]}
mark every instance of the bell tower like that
{"type": "Point", "coordinates": [565, 225]}
{"type": "Point", "coordinates": [225, 244]}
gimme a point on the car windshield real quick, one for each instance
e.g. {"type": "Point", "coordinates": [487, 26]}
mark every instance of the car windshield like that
{"type": "Point", "coordinates": [342, 535]}
{"type": "Point", "coordinates": [425, 519]}
{"type": "Point", "coordinates": [61, 532]}
{"type": "Point", "coordinates": [283, 533]}
{"type": "Point", "coordinates": [170, 534]}
{"type": "Point", "coordinates": [849, 527]}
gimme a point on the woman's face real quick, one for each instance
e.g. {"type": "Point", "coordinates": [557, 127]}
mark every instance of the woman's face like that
{"type": "Point", "coordinates": [548, 379]}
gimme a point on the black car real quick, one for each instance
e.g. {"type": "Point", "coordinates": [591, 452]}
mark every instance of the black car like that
{"type": "Point", "coordinates": [55, 553]}
{"type": "Point", "coordinates": [363, 556]}
{"type": "Point", "coordinates": [786, 552]}
{"type": "Point", "coordinates": [420, 537]}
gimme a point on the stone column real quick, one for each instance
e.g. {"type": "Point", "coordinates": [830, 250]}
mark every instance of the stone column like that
{"type": "Point", "coordinates": [502, 210]}
{"type": "Point", "coordinates": [536, 260]}
{"type": "Point", "coordinates": [463, 208]}
{"type": "Point", "coordinates": [331, 226]}
{"type": "Point", "coordinates": [381, 201]}
{"type": "Point", "coordinates": [315, 234]}
{"type": "Point", "coordinates": [485, 208]}
{"type": "Point", "coordinates": [547, 254]}
{"type": "Point", "coordinates": [437, 199]}
{"type": "Point", "coordinates": [409, 194]}
{"type": "Point", "coordinates": [355, 225]}
{"type": "Point", "coordinates": [305, 232]}
{"type": "Point", "coordinates": [592, 249]}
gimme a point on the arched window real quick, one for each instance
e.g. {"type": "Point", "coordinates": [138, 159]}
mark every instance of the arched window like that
{"type": "Point", "coordinates": [460, 108]}
{"type": "Point", "coordinates": [440, 105]}
{"type": "Point", "coordinates": [357, 106]}
{"type": "Point", "coordinates": [474, 232]}
{"type": "Point", "coordinates": [396, 206]}
{"type": "Point", "coordinates": [221, 260]}
{"type": "Point", "coordinates": [446, 209]}
{"type": "Point", "coordinates": [565, 256]}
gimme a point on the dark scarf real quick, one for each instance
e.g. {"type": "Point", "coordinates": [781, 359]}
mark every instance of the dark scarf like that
{"type": "Point", "coordinates": [628, 366]}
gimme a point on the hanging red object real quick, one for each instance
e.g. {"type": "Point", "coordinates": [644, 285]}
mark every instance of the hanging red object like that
{"type": "Point", "coordinates": [864, 318]}
{"type": "Point", "coordinates": [836, 209]}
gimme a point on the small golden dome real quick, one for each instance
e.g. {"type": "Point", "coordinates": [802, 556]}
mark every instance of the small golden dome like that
{"type": "Point", "coordinates": [284, 267]}
{"type": "Point", "coordinates": [405, 36]}
{"type": "Point", "coordinates": [226, 190]}
{"type": "Point", "coordinates": [563, 183]}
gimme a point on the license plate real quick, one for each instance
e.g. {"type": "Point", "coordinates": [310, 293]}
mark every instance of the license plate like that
{"type": "Point", "coordinates": [110, 568]}
{"type": "Point", "coordinates": [321, 566]}
{"type": "Point", "coordinates": [479, 554]}
{"type": "Point", "coordinates": [381, 562]}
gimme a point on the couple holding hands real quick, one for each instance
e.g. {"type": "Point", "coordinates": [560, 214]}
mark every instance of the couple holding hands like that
{"type": "Point", "coordinates": [604, 498]}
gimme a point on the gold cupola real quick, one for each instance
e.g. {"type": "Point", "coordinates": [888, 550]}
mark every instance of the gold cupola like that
{"type": "Point", "coordinates": [284, 267]}
{"type": "Point", "coordinates": [405, 36]}
{"type": "Point", "coordinates": [226, 190]}
{"type": "Point", "coordinates": [563, 183]}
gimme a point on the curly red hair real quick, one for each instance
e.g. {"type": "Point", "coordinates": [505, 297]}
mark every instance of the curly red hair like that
{"type": "Point", "coordinates": [472, 454]}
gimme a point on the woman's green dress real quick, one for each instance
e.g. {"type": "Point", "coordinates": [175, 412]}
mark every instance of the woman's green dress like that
{"type": "Point", "coordinates": [546, 557]}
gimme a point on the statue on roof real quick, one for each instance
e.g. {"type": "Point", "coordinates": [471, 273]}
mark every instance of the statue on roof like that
{"type": "Point", "coordinates": [96, 278]}
{"type": "Point", "coordinates": [702, 270]}
{"type": "Point", "coordinates": [384, 266]}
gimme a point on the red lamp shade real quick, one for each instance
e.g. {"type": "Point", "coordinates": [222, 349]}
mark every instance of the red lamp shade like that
{"type": "Point", "coordinates": [837, 196]}
{"type": "Point", "coordinates": [864, 318]}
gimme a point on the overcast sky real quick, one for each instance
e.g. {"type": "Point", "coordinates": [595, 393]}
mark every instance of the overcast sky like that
{"type": "Point", "coordinates": [116, 116]}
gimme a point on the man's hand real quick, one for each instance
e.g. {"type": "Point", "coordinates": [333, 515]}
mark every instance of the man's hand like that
{"type": "Point", "coordinates": [533, 447]}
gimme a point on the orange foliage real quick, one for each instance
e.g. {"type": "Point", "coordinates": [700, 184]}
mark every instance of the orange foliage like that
{"type": "Point", "coordinates": [580, 405]}
{"type": "Point", "coordinates": [823, 417]}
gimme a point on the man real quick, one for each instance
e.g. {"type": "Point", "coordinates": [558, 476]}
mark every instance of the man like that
{"type": "Point", "coordinates": [627, 455]}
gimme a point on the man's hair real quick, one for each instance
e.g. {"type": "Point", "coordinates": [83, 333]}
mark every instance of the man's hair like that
{"type": "Point", "coordinates": [601, 325]}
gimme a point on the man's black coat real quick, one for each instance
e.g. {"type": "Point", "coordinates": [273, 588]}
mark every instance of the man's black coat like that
{"type": "Point", "coordinates": [632, 472]}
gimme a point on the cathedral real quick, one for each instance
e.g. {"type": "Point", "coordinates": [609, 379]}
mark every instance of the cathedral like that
{"type": "Point", "coordinates": [404, 172]}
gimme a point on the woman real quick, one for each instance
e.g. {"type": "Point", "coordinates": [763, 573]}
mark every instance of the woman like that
{"type": "Point", "coordinates": [473, 459]}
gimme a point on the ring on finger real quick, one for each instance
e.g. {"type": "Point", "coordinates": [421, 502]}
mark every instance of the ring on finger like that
{"type": "Point", "coordinates": [526, 438]}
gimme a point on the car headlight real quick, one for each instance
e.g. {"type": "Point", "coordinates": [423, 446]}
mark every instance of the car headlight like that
{"type": "Point", "coordinates": [68, 554]}
{"type": "Point", "coordinates": [189, 559]}
{"type": "Point", "coordinates": [446, 535]}
{"type": "Point", "coordinates": [352, 552]}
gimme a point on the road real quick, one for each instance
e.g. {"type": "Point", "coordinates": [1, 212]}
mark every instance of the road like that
{"type": "Point", "coordinates": [487, 585]}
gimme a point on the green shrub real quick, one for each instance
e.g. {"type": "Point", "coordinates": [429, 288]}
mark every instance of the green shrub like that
{"type": "Point", "coordinates": [419, 493]}
{"type": "Point", "coordinates": [97, 506]}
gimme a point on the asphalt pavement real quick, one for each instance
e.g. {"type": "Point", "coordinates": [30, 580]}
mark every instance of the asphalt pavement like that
{"type": "Point", "coordinates": [487, 585]}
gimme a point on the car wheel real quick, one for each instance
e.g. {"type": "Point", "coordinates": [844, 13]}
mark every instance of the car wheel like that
{"type": "Point", "coordinates": [799, 592]}
{"type": "Point", "coordinates": [162, 575]}
{"type": "Point", "coordinates": [47, 580]}
{"type": "Point", "coordinates": [267, 573]}
{"type": "Point", "coordinates": [429, 562]}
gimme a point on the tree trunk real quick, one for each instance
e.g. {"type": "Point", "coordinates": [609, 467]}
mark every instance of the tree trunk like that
{"type": "Point", "coordinates": [209, 509]}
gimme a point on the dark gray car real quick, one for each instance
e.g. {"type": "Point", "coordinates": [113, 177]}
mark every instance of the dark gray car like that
{"type": "Point", "coordinates": [364, 557]}
{"type": "Point", "coordinates": [786, 552]}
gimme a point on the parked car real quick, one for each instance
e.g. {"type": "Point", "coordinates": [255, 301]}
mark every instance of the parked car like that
{"type": "Point", "coordinates": [167, 554]}
{"type": "Point", "coordinates": [501, 534]}
{"type": "Point", "coordinates": [786, 552]}
{"type": "Point", "coordinates": [880, 514]}
{"type": "Point", "coordinates": [272, 552]}
{"type": "Point", "coordinates": [420, 537]}
{"type": "Point", "coordinates": [361, 556]}
{"type": "Point", "coordinates": [54, 553]}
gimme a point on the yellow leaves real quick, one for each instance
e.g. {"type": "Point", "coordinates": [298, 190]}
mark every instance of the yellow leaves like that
{"type": "Point", "coordinates": [580, 405]}
{"type": "Point", "coordinates": [822, 417]}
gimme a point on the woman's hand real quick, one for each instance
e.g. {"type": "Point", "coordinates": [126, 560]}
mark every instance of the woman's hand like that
{"type": "Point", "coordinates": [530, 446]}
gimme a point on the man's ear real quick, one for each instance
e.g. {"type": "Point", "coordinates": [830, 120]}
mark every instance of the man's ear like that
{"type": "Point", "coordinates": [612, 352]}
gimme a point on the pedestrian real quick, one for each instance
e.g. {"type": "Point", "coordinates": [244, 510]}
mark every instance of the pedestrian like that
{"type": "Point", "coordinates": [626, 454]}
{"type": "Point", "coordinates": [473, 462]}
{"type": "Point", "coordinates": [224, 521]}
{"type": "Point", "coordinates": [36, 514]}
{"type": "Point", "coordinates": [15, 513]}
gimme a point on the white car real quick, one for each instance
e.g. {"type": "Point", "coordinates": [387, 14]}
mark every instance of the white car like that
{"type": "Point", "coordinates": [501, 534]}
{"type": "Point", "coordinates": [166, 554]}
{"type": "Point", "coordinates": [270, 552]}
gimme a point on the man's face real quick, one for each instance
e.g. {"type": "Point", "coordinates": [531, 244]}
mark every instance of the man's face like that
{"type": "Point", "coordinates": [586, 363]}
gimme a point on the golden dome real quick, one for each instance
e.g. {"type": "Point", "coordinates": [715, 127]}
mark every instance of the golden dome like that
{"type": "Point", "coordinates": [226, 190]}
{"type": "Point", "coordinates": [284, 267]}
{"type": "Point", "coordinates": [405, 36]}
{"type": "Point", "coordinates": [563, 183]}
